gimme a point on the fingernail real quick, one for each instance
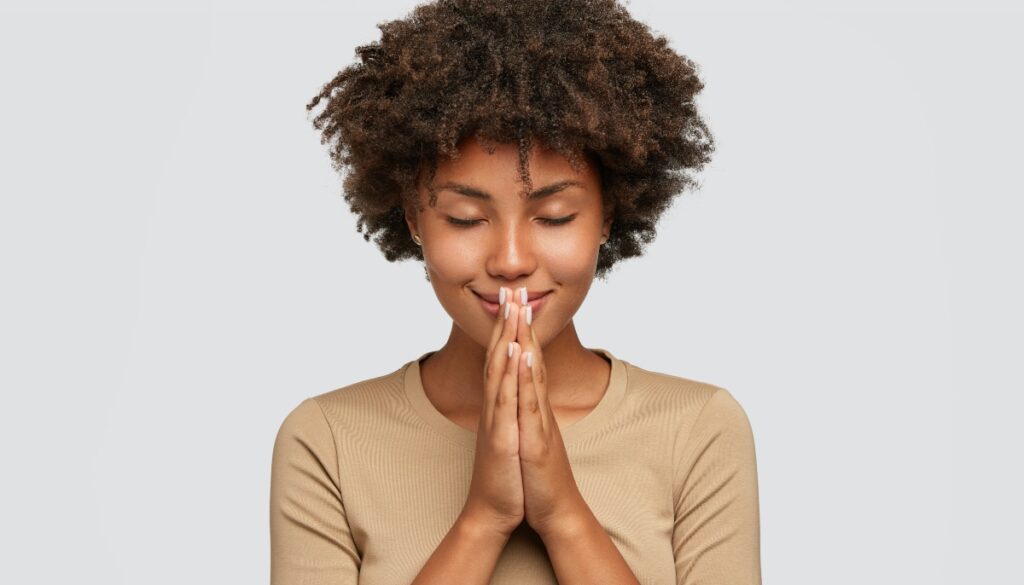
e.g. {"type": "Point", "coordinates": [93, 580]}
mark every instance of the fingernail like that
{"type": "Point", "coordinates": [501, 296]}
{"type": "Point", "coordinates": [529, 359]}
{"type": "Point", "coordinates": [529, 314]}
{"type": "Point", "coordinates": [510, 348]}
{"type": "Point", "coordinates": [507, 309]}
{"type": "Point", "coordinates": [522, 294]}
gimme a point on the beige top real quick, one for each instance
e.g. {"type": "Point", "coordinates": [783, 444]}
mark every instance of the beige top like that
{"type": "Point", "coordinates": [366, 480]}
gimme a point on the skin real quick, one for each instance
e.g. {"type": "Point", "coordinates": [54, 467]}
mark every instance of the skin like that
{"type": "Point", "coordinates": [511, 247]}
{"type": "Point", "coordinates": [516, 406]}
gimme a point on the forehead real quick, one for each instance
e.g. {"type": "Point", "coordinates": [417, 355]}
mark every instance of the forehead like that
{"type": "Point", "coordinates": [498, 172]}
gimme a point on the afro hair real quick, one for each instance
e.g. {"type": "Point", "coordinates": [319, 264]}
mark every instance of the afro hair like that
{"type": "Point", "coordinates": [581, 76]}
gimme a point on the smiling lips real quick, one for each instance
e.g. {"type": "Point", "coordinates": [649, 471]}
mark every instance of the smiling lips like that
{"type": "Point", "coordinates": [534, 299]}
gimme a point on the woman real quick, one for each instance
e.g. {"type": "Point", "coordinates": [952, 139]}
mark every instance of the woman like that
{"type": "Point", "coordinates": [519, 149]}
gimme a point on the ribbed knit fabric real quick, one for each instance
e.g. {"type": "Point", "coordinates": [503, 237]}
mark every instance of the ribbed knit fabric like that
{"type": "Point", "coordinates": [366, 480]}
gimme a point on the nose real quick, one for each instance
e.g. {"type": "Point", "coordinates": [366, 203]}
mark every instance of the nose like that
{"type": "Point", "coordinates": [510, 254]}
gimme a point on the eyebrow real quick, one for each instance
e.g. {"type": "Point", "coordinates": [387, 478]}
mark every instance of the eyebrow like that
{"type": "Point", "coordinates": [536, 194]}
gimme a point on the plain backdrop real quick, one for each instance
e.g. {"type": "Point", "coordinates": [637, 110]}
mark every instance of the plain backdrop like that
{"type": "Point", "coordinates": [180, 271]}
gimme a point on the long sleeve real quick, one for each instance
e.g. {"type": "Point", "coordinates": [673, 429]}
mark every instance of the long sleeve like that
{"type": "Point", "coordinates": [716, 535]}
{"type": "Point", "coordinates": [310, 539]}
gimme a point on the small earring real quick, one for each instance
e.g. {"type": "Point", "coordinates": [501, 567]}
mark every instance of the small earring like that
{"type": "Point", "coordinates": [604, 240]}
{"type": "Point", "coordinates": [416, 238]}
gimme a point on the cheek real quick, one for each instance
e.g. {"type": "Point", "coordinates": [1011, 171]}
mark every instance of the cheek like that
{"type": "Point", "coordinates": [451, 255]}
{"type": "Point", "coordinates": [570, 261]}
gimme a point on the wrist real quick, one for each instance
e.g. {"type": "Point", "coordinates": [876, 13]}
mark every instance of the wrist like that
{"type": "Point", "coordinates": [479, 529]}
{"type": "Point", "coordinates": [566, 526]}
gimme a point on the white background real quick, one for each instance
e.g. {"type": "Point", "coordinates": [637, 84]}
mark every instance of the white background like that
{"type": "Point", "coordinates": [180, 270]}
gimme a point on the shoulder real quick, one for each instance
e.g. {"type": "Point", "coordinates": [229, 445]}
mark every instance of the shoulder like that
{"type": "Point", "coordinates": [366, 398]}
{"type": "Point", "coordinates": [674, 390]}
{"type": "Point", "coordinates": [689, 400]}
{"type": "Point", "coordinates": [709, 428]}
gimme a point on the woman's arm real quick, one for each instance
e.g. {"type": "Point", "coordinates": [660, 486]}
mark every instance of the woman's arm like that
{"type": "Point", "coordinates": [582, 553]}
{"type": "Point", "coordinates": [716, 536]}
{"type": "Point", "coordinates": [310, 539]}
{"type": "Point", "coordinates": [467, 555]}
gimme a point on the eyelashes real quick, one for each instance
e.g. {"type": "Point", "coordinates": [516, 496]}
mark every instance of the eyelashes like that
{"type": "Point", "coordinates": [467, 223]}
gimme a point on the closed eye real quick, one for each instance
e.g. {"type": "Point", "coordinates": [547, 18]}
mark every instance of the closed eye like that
{"type": "Point", "coordinates": [558, 220]}
{"type": "Point", "coordinates": [546, 220]}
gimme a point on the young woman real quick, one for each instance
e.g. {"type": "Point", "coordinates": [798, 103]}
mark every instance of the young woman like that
{"type": "Point", "coordinates": [519, 149]}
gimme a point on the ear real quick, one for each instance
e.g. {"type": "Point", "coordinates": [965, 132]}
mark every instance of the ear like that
{"type": "Point", "coordinates": [411, 219]}
{"type": "Point", "coordinates": [608, 216]}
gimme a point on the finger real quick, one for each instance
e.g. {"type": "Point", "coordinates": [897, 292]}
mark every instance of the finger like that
{"type": "Point", "coordinates": [499, 324]}
{"type": "Point", "coordinates": [538, 373]}
{"type": "Point", "coordinates": [497, 365]}
{"type": "Point", "coordinates": [539, 370]}
{"type": "Point", "coordinates": [525, 325]}
{"type": "Point", "coordinates": [527, 337]}
{"type": "Point", "coordinates": [532, 419]}
{"type": "Point", "coordinates": [507, 405]}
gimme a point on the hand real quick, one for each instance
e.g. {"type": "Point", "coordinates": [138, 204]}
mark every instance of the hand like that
{"type": "Point", "coordinates": [496, 490]}
{"type": "Point", "coordinates": [551, 494]}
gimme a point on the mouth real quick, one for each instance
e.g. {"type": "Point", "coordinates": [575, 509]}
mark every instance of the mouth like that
{"type": "Point", "coordinates": [535, 300]}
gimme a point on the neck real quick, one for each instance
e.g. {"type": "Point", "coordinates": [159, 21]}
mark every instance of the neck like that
{"type": "Point", "coordinates": [460, 364]}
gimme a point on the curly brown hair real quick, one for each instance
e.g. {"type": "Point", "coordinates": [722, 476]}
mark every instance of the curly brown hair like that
{"type": "Point", "coordinates": [581, 76]}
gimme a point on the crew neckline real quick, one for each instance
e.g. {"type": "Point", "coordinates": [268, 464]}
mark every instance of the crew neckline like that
{"type": "Point", "coordinates": [572, 433]}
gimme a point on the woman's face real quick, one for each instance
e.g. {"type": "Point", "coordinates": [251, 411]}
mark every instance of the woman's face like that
{"type": "Point", "coordinates": [510, 240]}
